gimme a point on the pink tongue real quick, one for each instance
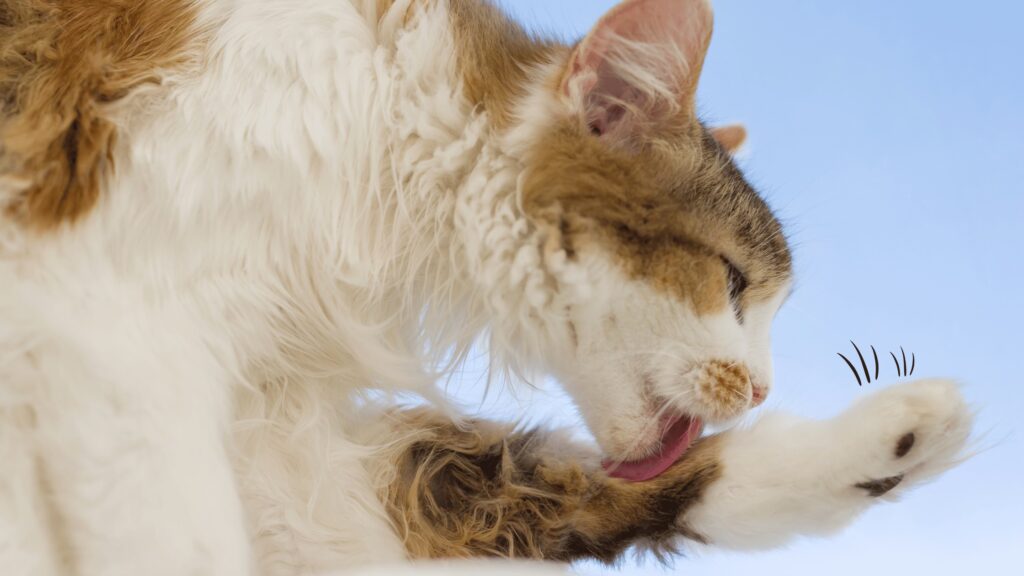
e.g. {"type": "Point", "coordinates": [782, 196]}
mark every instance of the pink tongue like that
{"type": "Point", "coordinates": [676, 439]}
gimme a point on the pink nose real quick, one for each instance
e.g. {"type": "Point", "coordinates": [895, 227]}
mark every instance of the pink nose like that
{"type": "Point", "coordinates": [759, 396]}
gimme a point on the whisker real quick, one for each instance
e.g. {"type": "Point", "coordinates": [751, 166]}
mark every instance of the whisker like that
{"type": "Point", "coordinates": [876, 361]}
{"type": "Point", "coordinates": [913, 363]}
{"type": "Point", "coordinates": [904, 352]}
{"type": "Point", "coordinates": [852, 369]}
{"type": "Point", "coordinates": [862, 361]}
{"type": "Point", "coordinates": [897, 362]}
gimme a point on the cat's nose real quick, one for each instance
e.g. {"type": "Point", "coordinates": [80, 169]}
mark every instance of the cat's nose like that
{"type": "Point", "coordinates": [759, 396]}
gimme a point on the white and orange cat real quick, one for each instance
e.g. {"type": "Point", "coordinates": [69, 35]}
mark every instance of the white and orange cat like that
{"type": "Point", "coordinates": [227, 224]}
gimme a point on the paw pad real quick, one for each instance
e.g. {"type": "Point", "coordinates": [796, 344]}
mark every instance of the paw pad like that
{"type": "Point", "coordinates": [905, 444]}
{"type": "Point", "coordinates": [881, 487]}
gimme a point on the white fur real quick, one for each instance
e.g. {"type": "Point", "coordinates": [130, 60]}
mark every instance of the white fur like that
{"type": "Point", "coordinates": [787, 476]}
{"type": "Point", "coordinates": [313, 211]}
{"type": "Point", "coordinates": [309, 212]}
{"type": "Point", "coordinates": [639, 355]}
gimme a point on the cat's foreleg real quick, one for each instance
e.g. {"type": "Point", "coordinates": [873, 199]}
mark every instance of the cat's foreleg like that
{"type": "Point", "coordinates": [788, 476]}
{"type": "Point", "coordinates": [483, 489]}
{"type": "Point", "coordinates": [478, 488]}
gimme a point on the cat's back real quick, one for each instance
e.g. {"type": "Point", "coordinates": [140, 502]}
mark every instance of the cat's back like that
{"type": "Point", "coordinates": [206, 152]}
{"type": "Point", "coordinates": [84, 83]}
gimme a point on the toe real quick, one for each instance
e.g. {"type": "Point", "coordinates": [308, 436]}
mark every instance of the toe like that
{"type": "Point", "coordinates": [905, 444]}
{"type": "Point", "coordinates": [876, 488]}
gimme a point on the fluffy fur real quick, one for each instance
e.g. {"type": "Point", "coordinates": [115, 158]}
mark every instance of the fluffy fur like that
{"type": "Point", "coordinates": [480, 489]}
{"type": "Point", "coordinates": [60, 63]}
{"type": "Point", "coordinates": [233, 223]}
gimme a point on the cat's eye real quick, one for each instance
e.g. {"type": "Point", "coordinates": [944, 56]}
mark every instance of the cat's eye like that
{"type": "Point", "coordinates": [737, 286]}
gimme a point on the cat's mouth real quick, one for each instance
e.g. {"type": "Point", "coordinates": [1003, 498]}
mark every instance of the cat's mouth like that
{"type": "Point", "coordinates": [678, 434]}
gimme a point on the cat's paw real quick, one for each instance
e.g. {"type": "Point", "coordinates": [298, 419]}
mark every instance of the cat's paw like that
{"type": "Point", "coordinates": [786, 476]}
{"type": "Point", "coordinates": [908, 433]}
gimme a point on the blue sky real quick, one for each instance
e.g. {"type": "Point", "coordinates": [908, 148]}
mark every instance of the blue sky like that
{"type": "Point", "coordinates": [888, 137]}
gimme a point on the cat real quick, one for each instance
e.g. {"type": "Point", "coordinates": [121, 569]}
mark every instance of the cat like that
{"type": "Point", "coordinates": [231, 229]}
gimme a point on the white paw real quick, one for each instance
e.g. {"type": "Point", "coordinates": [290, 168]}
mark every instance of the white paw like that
{"type": "Point", "coordinates": [908, 433]}
{"type": "Point", "coordinates": [787, 476]}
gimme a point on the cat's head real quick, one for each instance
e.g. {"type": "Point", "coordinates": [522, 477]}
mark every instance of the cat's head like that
{"type": "Point", "coordinates": [687, 264]}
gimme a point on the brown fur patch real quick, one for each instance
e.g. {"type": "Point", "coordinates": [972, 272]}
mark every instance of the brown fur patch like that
{"type": "Point", "coordinates": [669, 213]}
{"type": "Point", "coordinates": [61, 63]}
{"type": "Point", "coordinates": [488, 491]}
{"type": "Point", "coordinates": [495, 55]}
{"type": "Point", "coordinates": [493, 52]}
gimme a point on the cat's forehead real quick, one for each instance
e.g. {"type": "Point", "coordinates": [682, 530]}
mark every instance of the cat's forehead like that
{"type": "Point", "coordinates": [737, 219]}
{"type": "Point", "coordinates": [669, 211]}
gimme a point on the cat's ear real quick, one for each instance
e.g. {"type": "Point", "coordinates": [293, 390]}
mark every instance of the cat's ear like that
{"type": "Point", "coordinates": [639, 66]}
{"type": "Point", "coordinates": [730, 137]}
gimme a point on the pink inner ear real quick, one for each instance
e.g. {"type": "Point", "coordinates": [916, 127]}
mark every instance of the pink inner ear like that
{"type": "Point", "coordinates": [681, 27]}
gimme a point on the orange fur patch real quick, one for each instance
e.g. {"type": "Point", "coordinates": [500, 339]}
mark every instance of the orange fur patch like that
{"type": "Point", "coordinates": [495, 55]}
{"type": "Point", "coordinates": [62, 62]}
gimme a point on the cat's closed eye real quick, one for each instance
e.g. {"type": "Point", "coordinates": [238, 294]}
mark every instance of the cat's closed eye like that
{"type": "Point", "coordinates": [737, 283]}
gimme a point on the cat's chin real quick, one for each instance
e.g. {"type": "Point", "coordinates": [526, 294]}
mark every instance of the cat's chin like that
{"type": "Point", "coordinates": [678, 434]}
